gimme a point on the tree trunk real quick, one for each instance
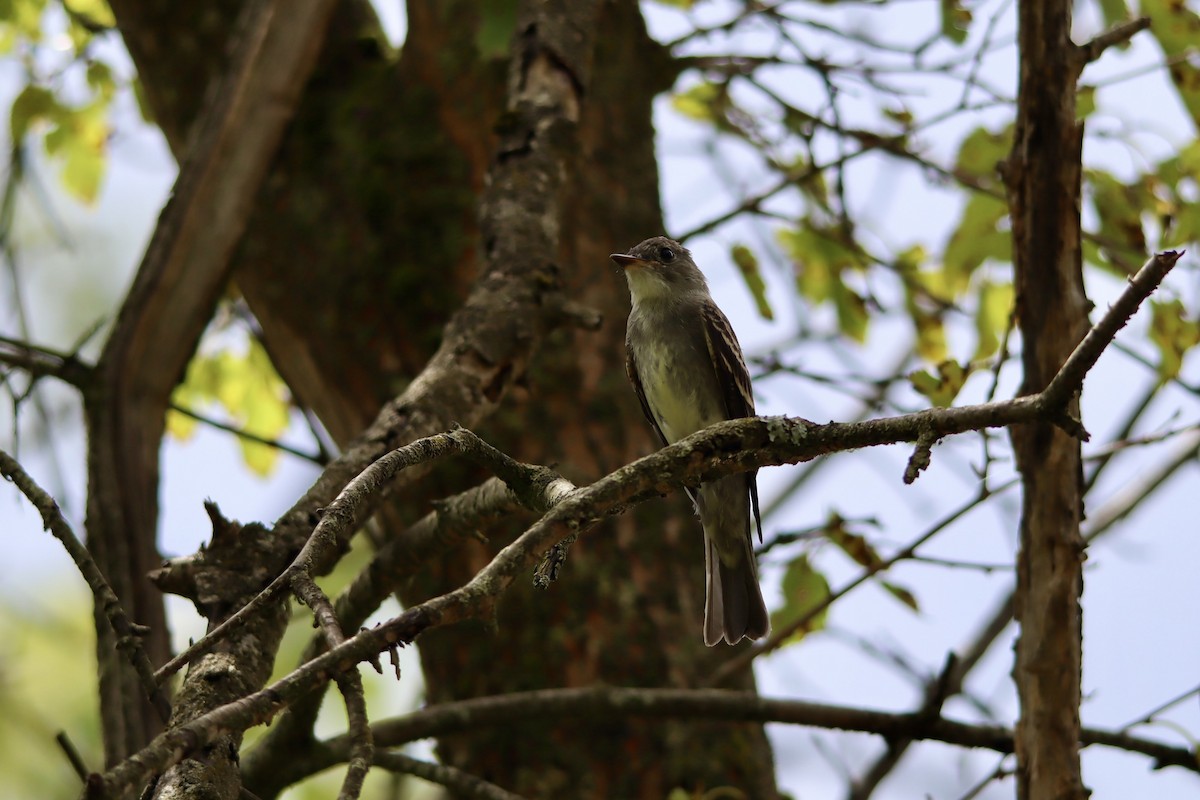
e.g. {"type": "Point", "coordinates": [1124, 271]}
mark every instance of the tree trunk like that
{"type": "Point", "coordinates": [363, 242]}
{"type": "Point", "coordinates": [1043, 179]}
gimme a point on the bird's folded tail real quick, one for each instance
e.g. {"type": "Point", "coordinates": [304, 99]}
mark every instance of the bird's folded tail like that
{"type": "Point", "coordinates": [733, 602]}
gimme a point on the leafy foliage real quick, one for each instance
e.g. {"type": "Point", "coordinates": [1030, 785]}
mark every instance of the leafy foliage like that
{"type": "Point", "coordinates": [822, 256]}
{"type": "Point", "coordinates": [746, 261]}
{"type": "Point", "coordinates": [74, 131]}
{"type": "Point", "coordinates": [804, 589]}
{"type": "Point", "coordinates": [250, 392]}
{"type": "Point", "coordinates": [1177, 29]}
{"type": "Point", "coordinates": [1173, 334]}
{"type": "Point", "coordinates": [941, 388]}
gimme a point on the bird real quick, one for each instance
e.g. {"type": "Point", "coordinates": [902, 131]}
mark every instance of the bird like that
{"type": "Point", "coordinates": [687, 370]}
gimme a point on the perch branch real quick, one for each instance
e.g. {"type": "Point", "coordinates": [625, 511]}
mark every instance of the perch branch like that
{"type": "Point", "coordinates": [723, 449]}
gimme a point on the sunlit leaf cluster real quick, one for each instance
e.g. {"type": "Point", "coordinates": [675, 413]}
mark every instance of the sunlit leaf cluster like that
{"type": "Point", "coordinates": [249, 391]}
{"type": "Point", "coordinates": [69, 90]}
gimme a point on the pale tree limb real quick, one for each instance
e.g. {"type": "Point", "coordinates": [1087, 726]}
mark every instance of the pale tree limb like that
{"type": "Point", "coordinates": [452, 521]}
{"type": "Point", "coordinates": [352, 507]}
{"type": "Point", "coordinates": [723, 449]}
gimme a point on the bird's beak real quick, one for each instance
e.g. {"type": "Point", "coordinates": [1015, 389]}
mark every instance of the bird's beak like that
{"type": "Point", "coordinates": [625, 262]}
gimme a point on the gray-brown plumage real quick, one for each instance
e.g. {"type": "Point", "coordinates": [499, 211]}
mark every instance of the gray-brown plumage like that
{"type": "Point", "coordinates": [687, 369]}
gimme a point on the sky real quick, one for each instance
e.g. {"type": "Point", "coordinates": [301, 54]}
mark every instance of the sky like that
{"type": "Point", "coordinates": [1140, 647]}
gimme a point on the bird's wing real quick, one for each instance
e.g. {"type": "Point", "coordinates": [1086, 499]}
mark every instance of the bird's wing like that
{"type": "Point", "coordinates": [734, 380]}
{"type": "Point", "coordinates": [632, 371]}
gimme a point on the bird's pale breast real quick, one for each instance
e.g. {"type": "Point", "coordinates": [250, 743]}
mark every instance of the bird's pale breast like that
{"type": "Point", "coordinates": [677, 377]}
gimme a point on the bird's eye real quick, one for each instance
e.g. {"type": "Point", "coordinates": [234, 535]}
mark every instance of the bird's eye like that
{"type": "Point", "coordinates": [666, 255]}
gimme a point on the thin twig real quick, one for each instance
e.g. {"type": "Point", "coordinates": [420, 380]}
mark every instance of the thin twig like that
{"type": "Point", "coordinates": [1118, 34]}
{"type": "Point", "coordinates": [600, 703]}
{"type": "Point", "coordinates": [349, 683]}
{"type": "Point", "coordinates": [461, 783]}
{"type": "Point", "coordinates": [128, 634]}
{"type": "Point", "coordinates": [316, 458]}
{"type": "Point", "coordinates": [1070, 376]}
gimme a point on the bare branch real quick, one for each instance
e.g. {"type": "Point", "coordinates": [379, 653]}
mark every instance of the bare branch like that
{"type": "Point", "coordinates": [44, 362]}
{"type": "Point", "coordinates": [715, 704]}
{"type": "Point", "coordinates": [362, 741]}
{"type": "Point", "coordinates": [1118, 34]}
{"type": "Point", "coordinates": [349, 682]}
{"type": "Point", "coordinates": [1070, 376]}
{"type": "Point", "coordinates": [128, 634]}
{"type": "Point", "coordinates": [453, 520]}
{"type": "Point", "coordinates": [463, 784]}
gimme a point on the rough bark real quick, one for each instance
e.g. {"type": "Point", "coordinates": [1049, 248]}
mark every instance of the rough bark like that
{"type": "Point", "coordinates": [172, 298]}
{"type": "Point", "coordinates": [1043, 179]}
{"type": "Point", "coordinates": [363, 242]}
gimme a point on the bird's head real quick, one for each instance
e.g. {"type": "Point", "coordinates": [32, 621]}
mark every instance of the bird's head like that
{"type": "Point", "coordinates": [660, 268]}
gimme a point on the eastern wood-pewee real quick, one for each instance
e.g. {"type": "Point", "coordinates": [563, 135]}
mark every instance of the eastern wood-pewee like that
{"type": "Point", "coordinates": [687, 369]}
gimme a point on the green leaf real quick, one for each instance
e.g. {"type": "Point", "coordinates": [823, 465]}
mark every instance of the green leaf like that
{"type": "Point", "coordinates": [25, 16]}
{"type": "Point", "coordinates": [1178, 215]}
{"type": "Point", "coordinates": [900, 593]}
{"type": "Point", "coordinates": [931, 332]}
{"type": "Point", "coordinates": [1177, 29]}
{"type": "Point", "coordinates": [250, 392]}
{"type": "Point", "coordinates": [852, 544]}
{"type": "Point", "coordinates": [100, 78]}
{"type": "Point", "coordinates": [1119, 207]}
{"type": "Point", "coordinates": [978, 238]}
{"type": "Point", "coordinates": [1114, 11]}
{"type": "Point", "coordinates": [1173, 334]}
{"type": "Point", "coordinates": [748, 264]}
{"type": "Point", "coordinates": [956, 21]}
{"type": "Point", "coordinates": [819, 256]}
{"type": "Point", "coordinates": [991, 317]}
{"type": "Point", "coordinates": [83, 146]}
{"type": "Point", "coordinates": [942, 388]}
{"type": "Point", "coordinates": [33, 104]}
{"type": "Point", "coordinates": [700, 102]}
{"type": "Point", "coordinates": [97, 12]}
{"type": "Point", "coordinates": [76, 136]}
{"type": "Point", "coordinates": [1184, 227]}
{"type": "Point", "coordinates": [852, 315]}
{"type": "Point", "coordinates": [804, 589]}
{"type": "Point", "coordinates": [181, 426]}
{"type": "Point", "coordinates": [901, 116]}
{"type": "Point", "coordinates": [982, 150]}
{"type": "Point", "coordinates": [920, 284]}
